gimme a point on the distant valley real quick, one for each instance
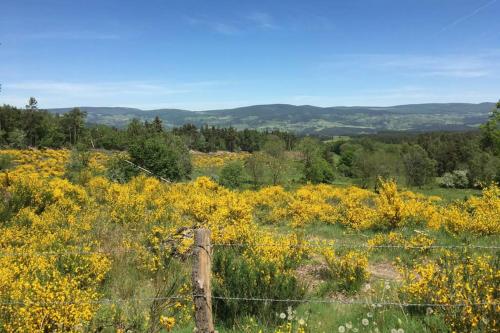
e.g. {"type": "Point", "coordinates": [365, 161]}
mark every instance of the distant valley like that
{"type": "Point", "coordinates": [307, 119]}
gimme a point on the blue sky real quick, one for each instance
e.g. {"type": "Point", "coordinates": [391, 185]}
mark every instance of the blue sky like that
{"type": "Point", "coordinates": [219, 54]}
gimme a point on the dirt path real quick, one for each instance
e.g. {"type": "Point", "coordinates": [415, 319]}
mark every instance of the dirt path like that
{"type": "Point", "coordinates": [385, 271]}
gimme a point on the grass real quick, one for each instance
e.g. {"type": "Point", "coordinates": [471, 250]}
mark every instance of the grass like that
{"type": "Point", "coordinates": [292, 179]}
{"type": "Point", "coordinates": [447, 194]}
{"type": "Point", "coordinates": [329, 317]}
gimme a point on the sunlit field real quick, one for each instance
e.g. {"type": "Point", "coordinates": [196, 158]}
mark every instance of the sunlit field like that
{"type": "Point", "coordinates": [92, 254]}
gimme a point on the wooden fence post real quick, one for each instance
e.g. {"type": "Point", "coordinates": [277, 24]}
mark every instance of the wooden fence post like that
{"type": "Point", "coordinates": [202, 292]}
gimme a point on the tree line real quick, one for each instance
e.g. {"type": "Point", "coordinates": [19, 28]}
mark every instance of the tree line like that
{"type": "Point", "coordinates": [459, 159]}
{"type": "Point", "coordinates": [34, 127]}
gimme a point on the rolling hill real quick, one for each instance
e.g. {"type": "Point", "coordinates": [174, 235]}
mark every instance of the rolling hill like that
{"type": "Point", "coordinates": [309, 119]}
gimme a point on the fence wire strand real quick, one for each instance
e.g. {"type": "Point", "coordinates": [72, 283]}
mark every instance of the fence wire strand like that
{"type": "Point", "coordinates": [361, 246]}
{"type": "Point", "coordinates": [353, 302]}
{"type": "Point", "coordinates": [148, 172]}
{"type": "Point", "coordinates": [251, 299]}
{"type": "Point", "coordinates": [306, 244]}
{"type": "Point", "coordinates": [102, 301]}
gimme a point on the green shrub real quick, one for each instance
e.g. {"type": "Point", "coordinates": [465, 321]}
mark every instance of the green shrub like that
{"type": "Point", "coordinates": [5, 162]}
{"type": "Point", "coordinates": [118, 170]}
{"type": "Point", "coordinates": [238, 276]}
{"type": "Point", "coordinates": [318, 170]}
{"type": "Point", "coordinates": [77, 166]}
{"type": "Point", "coordinates": [231, 175]}
{"type": "Point", "coordinates": [455, 179]}
{"type": "Point", "coordinates": [165, 156]}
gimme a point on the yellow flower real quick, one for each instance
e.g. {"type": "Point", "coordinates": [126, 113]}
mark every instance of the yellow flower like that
{"type": "Point", "coordinates": [167, 322]}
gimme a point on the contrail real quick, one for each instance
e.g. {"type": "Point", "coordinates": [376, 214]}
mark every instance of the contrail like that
{"type": "Point", "coordinates": [468, 16]}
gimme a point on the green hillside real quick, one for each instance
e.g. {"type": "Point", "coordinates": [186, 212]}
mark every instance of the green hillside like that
{"type": "Point", "coordinates": [310, 119]}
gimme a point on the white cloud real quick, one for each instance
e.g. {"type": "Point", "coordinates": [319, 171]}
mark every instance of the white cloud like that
{"type": "Point", "coordinates": [92, 89]}
{"type": "Point", "coordinates": [468, 16]}
{"type": "Point", "coordinates": [126, 93]}
{"type": "Point", "coordinates": [219, 26]}
{"type": "Point", "coordinates": [235, 25]}
{"type": "Point", "coordinates": [68, 35]}
{"type": "Point", "coordinates": [397, 96]}
{"type": "Point", "coordinates": [262, 20]}
{"type": "Point", "coordinates": [444, 65]}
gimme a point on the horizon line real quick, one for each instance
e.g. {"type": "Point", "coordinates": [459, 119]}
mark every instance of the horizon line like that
{"type": "Point", "coordinates": [264, 104]}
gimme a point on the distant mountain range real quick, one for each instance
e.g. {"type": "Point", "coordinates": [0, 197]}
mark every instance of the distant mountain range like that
{"type": "Point", "coordinates": [307, 119]}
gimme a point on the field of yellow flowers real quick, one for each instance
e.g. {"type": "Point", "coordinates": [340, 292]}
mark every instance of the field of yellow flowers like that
{"type": "Point", "coordinates": [216, 159]}
{"type": "Point", "coordinates": [95, 255]}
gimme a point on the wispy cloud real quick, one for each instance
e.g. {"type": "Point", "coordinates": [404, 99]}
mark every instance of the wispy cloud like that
{"type": "Point", "coordinates": [128, 93]}
{"type": "Point", "coordinates": [468, 16]}
{"type": "Point", "coordinates": [262, 20]}
{"type": "Point", "coordinates": [68, 35]}
{"type": "Point", "coordinates": [93, 89]}
{"type": "Point", "coordinates": [235, 25]}
{"type": "Point", "coordinates": [396, 96]}
{"type": "Point", "coordinates": [457, 66]}
{"type": "Point", "coordinates": [444, 65]}
{"type": "Point", "coordinates": [218, 26]}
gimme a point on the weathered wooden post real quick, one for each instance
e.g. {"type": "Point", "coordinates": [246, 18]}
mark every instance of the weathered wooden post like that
{"type": "Point", "coordinates": [202, 292]}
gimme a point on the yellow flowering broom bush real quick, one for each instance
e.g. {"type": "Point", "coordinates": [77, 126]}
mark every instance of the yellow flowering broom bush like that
{"type": "Point", "coordinates": [219, 159]}
{"type": "Point", "coordinates": [48, 281]}
{"type": "Point", "coordinates": [420, 241]}
{"type": "Point", "coordinates": [477, 215]}
{"type": "Point", "coordinates": [345, 272]}
{"type": "Point", "coordinates": [466, 285]}
{"type": "Point", "coordinates": [65, 243]}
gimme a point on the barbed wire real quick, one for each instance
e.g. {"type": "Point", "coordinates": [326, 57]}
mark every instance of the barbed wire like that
{"type": "Point", "coordinates": [307, 244]}
{"type": "Point", "coordinates": [354, 302]}
{"type": "Point", "coordinates": [106, 301]}
{"type": "Point", "coordinates": [364, 246]}
{"type": "Point", "coordinates": [83, 253]}
{"type": "Point", "coordinates": [100, 301]}
{"type": "Point", "coordinates": [148, 171]}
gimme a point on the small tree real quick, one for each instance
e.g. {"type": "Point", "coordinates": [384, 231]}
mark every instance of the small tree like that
{"type": "Point", "coordinates": [5, 162]}
{"type": "Point", "coordinates": [419, 168]}
{"type": "Point", "coordinates": [484, 168]}
{"type": "Point", "coordinates": [232, 175]}
{"type": "Point", "coordinates": [118, 170]}
{"type": "Point", "coordinates": [32, 104]}
{"type": "Point", "coordinates": [165, 156]}
{"type": "Point", "coordinates": [490, 139]}
{"type": "Point", "coordinates": [73, 123]}
{"type": "Point", "coordinates": [17, 139]}
{"type": "Point", "coordinates": [369, 166]}
{"type": "Point", "coordinates": [157, 125]}
{"type": "Point", "coordinates": [315, 167]}
{"type": "Point", "coordinates": [76, 168]}
{"type": "Point", "coordinates": [255, 166]}
{"type": "Point", "coordinates": [276, 160]}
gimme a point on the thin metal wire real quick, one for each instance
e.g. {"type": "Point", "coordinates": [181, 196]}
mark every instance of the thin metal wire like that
{"type": "Point", "coordinates": [101, 301]}
{"type": "Point", "coordinates": [308, 244]}
{"type": "Point", "coordinates": [364, 246]}
{"type": "Point", "coordinates": [253, 299]}
{"type": "Point", "coordinates": [49, 254]}
{"type": "Point", "coordinates": [354, 302]}
{"type": "Point", "coordinates": [80, 252]}
{"type": "Point", "coordinates": [147, 171]}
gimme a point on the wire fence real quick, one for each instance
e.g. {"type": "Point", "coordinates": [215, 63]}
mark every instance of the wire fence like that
{"type": "Point", "coordinates": [22, 253]}
{"type": "Point", "coordinates": [309, 244]}
{"type": "Point", "coordinates": [374, 303]}
{"type": "Point", "coordinates": [362, 246]}
{"type": "Point", "coordinates": [148, 171]}
{"type": "Point", "coordinates": [107, 301]}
